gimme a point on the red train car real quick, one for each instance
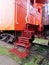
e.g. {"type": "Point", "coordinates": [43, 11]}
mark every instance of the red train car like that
{"type": "Point", "coordinates": [10, 20]}
{"type": "Point", "coordinates": [35, 14]}
{"type": "Point", "coordinates": [15, 14]}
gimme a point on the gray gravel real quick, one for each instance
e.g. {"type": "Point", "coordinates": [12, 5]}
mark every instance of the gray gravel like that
{"type": "Point", "coordinates": [6, 45]}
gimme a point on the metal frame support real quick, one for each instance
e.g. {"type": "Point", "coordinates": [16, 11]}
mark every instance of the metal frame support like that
{"type": "Point", "coordinates": [35, 11]}
{"type": "Point", "coordinates": [16, 12]}
{"type": "Point", "coordinates": [28, 11]}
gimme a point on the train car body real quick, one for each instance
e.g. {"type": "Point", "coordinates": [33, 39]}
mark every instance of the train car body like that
{"type": "Point", "coordinates": [35, 16]}
{"type": "Point", "coordinates": [21, 22]}
{"type": "Point", "coordinates": [8, 20]}
{"type": "Point", "coordinates": [7, 14]}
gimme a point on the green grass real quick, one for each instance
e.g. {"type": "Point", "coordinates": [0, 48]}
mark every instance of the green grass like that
{"type": "Point", "coordinates": [34, 59]}
{"type": "Point", "coordinates": [17, 59]}
{"type": "Point", "coordinates": [42, 48]}
{"type": "Point", "coordinates": [41, 41]}
{"type": "Point", "coordinates": [3, 51]}
{"type": "Point", "coordinates": [48, 63]}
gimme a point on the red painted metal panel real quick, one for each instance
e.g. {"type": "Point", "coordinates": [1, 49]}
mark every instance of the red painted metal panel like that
{"type": "Point", "coordinates": [22, 12]}
{"type": "Point", "coordinates": [18, 53]}
{"type": "Point", "coordinates": [40, 1]}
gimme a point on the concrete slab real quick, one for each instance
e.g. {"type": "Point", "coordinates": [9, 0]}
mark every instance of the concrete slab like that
{"type": "Point", "coordinates": [5, 60]}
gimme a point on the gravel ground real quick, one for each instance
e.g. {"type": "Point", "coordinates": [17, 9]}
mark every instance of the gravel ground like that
{"type": "Point", "coordinates": [6, 45]}
{"type": "Point", "coordinates": [5, 60]}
